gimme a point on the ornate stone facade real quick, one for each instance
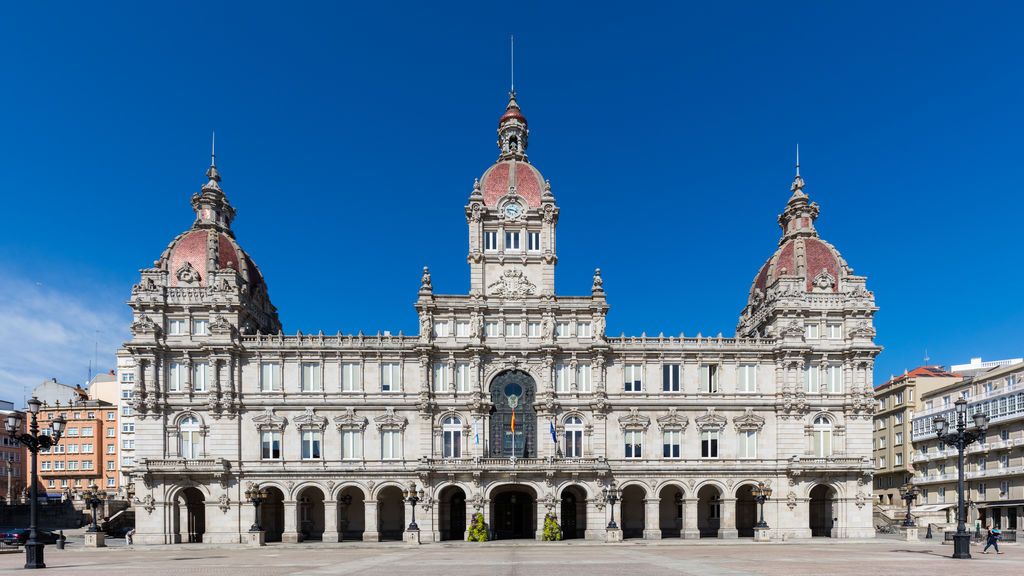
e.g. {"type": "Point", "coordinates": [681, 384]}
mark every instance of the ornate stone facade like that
{"type": "Point", "coordinates": [334, 427]}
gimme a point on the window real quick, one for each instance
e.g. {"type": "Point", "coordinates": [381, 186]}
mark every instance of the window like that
{"type": "Point", "coordinates": [270, 377]}
{"type": "Point", "coordinates": [989, 386]}
{"type": "Point", "coordinates": [898, 439]}
{"type": "Point", "coordinates": [73, 431]}
{"type": "Point", "coordinates": [390, 377]}
{"type": "Point", "coordinates": [942, 494]}
{"type": "Point", "coordinates": [835, 379]}
{"type": "Point", "coordinates": [311, 444]}
{"type": "Point", "coordinates": [127, 377]}
{"type": "Point", "coordinates": [391, 444]}
{"type": "Point", "coordinates": [176, 326]}
{"type": "Point", "coordinates": [175, 377]}
{"type": "Point", "coordinates": [126, 395]}
{"type": "Point", "coordinates": [462, 329]}
{"type": "Point", "coordinates": [87, 448]}
{"type": "Point", "coordinates": [1004, 434]}
{"type": "Point", "coordinates": [200, 327]}
{"type": "Point", "coordinates": [44, 466]}
{"type": "Point", "coordinates": [350, 377]}
{"type": "Point", "coordinates": [72, 464]}
{"type": "Point", "coordinates": [747, 444]}
{"type": "Point", "coordinates": [534, 329]}
{"type": "Point", "coordinates": [897, 459]}
{"type": "Point", "coordinates": [492, 329]}
{"type": "Point", "coordinates": [534, 241]}
{"type": "Point", "coordinates": [440, 377]}
{"type": "Point", "coordinates": [882, 423]}
{"type": "Point", "coordinates": [899, 398]}
{"type": "Point", "coordinates": [982, 463]}
{"type": "Point", "coordinates": [311, 377]}
{"type": "Point", "coordinates": [881, 461]}
{"type": "Point", "coordinates": [351, 445]}
{"type": "Point", "coordinates": [1004, 489]}
{"type": "Point", "coordinates": [812, 378]}
{"type": "Point", "coordinates": [709, 378]}
{"type": "Point", "coordinates": [270, 445]}
{"type": "Point", "coordinates": [928, 405]}
{"type": "Point", "coordinates": [881, 441]}
{"type": "Point", "coordinates": [111, 464]}
{"type": "Point", "coordinates": [58, 466]}
{"type": "Point", "coordinates": [513, 329]}
{"type": "Point", "coordinates": [562, 330]}
{"type": "Point", "coordinates": [490, 241]}
{"type": "Point", "coordinates": [111, 449]}
{"type": "Point", "coordinates": [91, 414]}
{"type": "Point", "coordinates": [111, 432]}
{"type": "Point", "coordinates": [127, 410]}
{"type": "Point", "coordinates": [821, 437]}
{"type": "Point", "coordinates": [583, 330]}
{"type": "Point", "coordinates": [110, 482]}
{"type": "Point", "coordinates": [634, 443]}
{"type": "Point", "coordinates": [835, 331]}
{"type": "Point", "coordinates": [1004, 461]}
{"type": "Point", "coordinates": [451, 438]}
{"type": "Point", "coordinates": [561, 378]}
{"type": "Point", "coordinates": [583, 377]}
{"type": "Point", "coordinates": [200, 371]}
{"type": "Point", "coordinates": [811, 331]}
{"type": "Point", "coordinates": [574, 437]}
{"type": "Point", "coordinates": [709, 444]}
{"type": "Point", "coordinates": [897, 418]}
{"type": "Point", "coordinates": [441, 329]}
{"type": "Point", "coordinates": [462, 383]}
{"type": "Point", "coordinates": [512, 241]}
{"type": "Point", "coordinates": [52, 483]}
{"type": "Point", "coordinates": [747, 378]}
{"type": "Point", "coordinates": [670, 440]}
{"type": "Point", "coordinates": [632, 378]}
{"type": "Point", "coordinates": [190, 442]}
{"type": "Point", "coordinates": [670, 377]}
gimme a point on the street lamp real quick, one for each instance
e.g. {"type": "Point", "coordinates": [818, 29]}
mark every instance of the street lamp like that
{"type": "Point", "coordinates": [257, 496]}
{"type": "Point", "coordinates": [34, 441]}
{"type": "Point", "coordinates": [611, 496]}
{"type": "Point", "coordinates": [761, 492]}
{"type": "Point", "coordinates": [93, 498]}
{"type": "Point", "coordinates": [908, 492]}
{"type": "Point", "coordinates": [413, 496]}
{"type": "Point", "coordinates": [961, 438]}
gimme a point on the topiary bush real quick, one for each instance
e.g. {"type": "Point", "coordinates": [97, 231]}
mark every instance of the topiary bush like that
{"type": "Point", "coordinates": [478, 529]}
{"type": "Point", "coordinates": [552, 531]}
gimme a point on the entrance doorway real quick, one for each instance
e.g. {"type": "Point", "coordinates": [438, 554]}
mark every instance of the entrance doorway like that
{"type": "Point", "coordinates": [709, 511]}
{"type": "Point", "coordinates": [574, 512]}
{"type": "Point", "coordinates": [190, 515]}
{"type": "Point", "coordinates": [746, 511]}
{"type": "Point", "coordinates": [311, 513]}
{"type": "Point", "coordinates": [513, 392]}
{"type": "Point", "coordinates": [272, 514]}
{"type": "Point", "coordinates": [670, 512]}
{"type": "Point", "coordinates": [514, 513]}
{"type": "Point", "coordinates": [821, 511]}
{"type": "Point", "coordinates": [391, 513]}
{"type": "Point", "coordinates": [632, 510]}
{"type": "Point", "coordinates": [351, 513]}
{"type": "Point", "coordinates": [452, 512]}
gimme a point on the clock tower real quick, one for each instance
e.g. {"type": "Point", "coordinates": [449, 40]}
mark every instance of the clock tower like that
{"type": "Point", "coordinates": [512, 217]}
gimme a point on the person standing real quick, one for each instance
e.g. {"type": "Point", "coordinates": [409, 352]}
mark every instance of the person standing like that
{"type": "Point", "coordinates": [992, 539]}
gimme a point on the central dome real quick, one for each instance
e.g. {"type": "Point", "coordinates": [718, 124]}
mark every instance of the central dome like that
{"type": "Point", "coordinates": [505, 175]}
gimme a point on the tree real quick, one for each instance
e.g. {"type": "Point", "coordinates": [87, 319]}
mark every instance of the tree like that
{"type": "Point", "coordinates": [478, 529]}
{"type": "Point", "coordinates": [552, 531]}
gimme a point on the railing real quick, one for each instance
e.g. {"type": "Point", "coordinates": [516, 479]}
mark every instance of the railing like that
{"type": "Point", "coordinates": [215, 465]}
{"type": "Point", "coordinates": [837, 463]}
{"type": "Point", "coordinates": [506, 464]}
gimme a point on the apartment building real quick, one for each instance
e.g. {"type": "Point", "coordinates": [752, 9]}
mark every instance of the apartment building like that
{"type": "Point", "coordinates": [12, 459]}
{"type": "Point", "coordinates": [87, 452]}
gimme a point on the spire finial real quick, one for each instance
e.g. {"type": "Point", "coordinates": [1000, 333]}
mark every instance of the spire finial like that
{"type": "Point", "coordinates": [798, 183]}
{"type": "Point", "coordinates": [213, 148]}
{"type": "Point", "coordinates": [798, 159]}
{"type": "Point", "coordinates": [512, 58]}
{"type": "Point", "coordinates": [212, 173]}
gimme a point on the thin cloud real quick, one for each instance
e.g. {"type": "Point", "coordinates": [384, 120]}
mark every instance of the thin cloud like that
{"type": "Point", "coordinates": [48, 333]}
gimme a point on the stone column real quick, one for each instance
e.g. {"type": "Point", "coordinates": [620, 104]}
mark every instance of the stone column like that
{"type": "Point", "coordinates": [291, 521]}
{"type": "Point", "coordinates": [331, 533]}
{"type": "Point", "coordinates": [370, 527]}
{"type": "Point", "coordinates": [594, 530]}
{"type": "Point", "coordinates": [690, 528]}
{"type": "Point", "coordinates": [727, 522]}
{"type": "Point", "coordinates": [652, 525]}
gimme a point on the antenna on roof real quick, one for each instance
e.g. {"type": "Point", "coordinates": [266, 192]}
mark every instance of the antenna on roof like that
{"type": "Point", "coordinates": [926, 358]}
{"type": "Point", "coordinates": [512, 58]}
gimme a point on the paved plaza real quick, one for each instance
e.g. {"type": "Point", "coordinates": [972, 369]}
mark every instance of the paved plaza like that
{"type": "Point", "coordinates": [882, 556]}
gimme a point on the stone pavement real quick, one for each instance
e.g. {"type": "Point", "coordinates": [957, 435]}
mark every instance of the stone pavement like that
{"type": "Point", "coordinates": [716, 558]}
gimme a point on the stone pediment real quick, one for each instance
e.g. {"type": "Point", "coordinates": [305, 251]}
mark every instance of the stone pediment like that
{"type": "Point", "coordinates": [634, 420]}
{"type": "Point", "coordinates": [269, 421]}
{"type": "Point", "coordinates": [144, 325]}
{"type": "Point", "coordinates": [748, 422]}
{"type": "Point", "coordinates": [309, 419]}
{"type": "Point", "coordinates": [390, 420]}
{"type": "Point", "coordinates": [349, 420]}
{"type": "Point", "coordinates": [710, 421]}
{"type": "Point", "coordinates": [673, 420]}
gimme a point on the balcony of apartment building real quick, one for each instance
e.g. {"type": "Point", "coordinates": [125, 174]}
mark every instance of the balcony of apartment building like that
{"type": "Point", "coordinates": [1002, 405]}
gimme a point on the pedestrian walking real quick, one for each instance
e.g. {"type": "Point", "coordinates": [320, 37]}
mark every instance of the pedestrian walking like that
{"type": "Point", "coordinates": [129, 535]}
{"type": "Point", "coordinates": [992, 540]}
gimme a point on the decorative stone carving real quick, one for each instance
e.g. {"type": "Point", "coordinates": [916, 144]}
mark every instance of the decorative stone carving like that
{"type": "Point", "coordinates": [634, 420]}
{"type": "Point", "coordinates": [148, 503]}
{"type": "Point", "coordinates": [824, 281]}
{"type": "Point", "coordinates": [350, 421]}
{"type": "Point", "coordinates": [309, 419]}
{"type": "Point", "coordinates": [513, 285]}
{"type": "Point", "coordinates": [389, 420]}
{"type": "Point", "coordinates": [598, 285]}
{"type": "Point", "coordinates": [220, 325]}
{"type": "Point", "coordinates": [862, 329]}
{"type": "Point", "coordinates": [224, 503]}
{"type": "Point", "coordinates": [792, 330]}
{"type": "Point", "coordinates": [144, 325]}
{"type": "Point", "coordinates": [187, 274]}
{"type": "Point", "coordinates": [673, 421]}
{"type": "Point", "coordinates": [791, 500]}
{"type": "Point", "coordinates": [860, 500]}
{"type": "Point", "coordinates": [269, 421]}
{"type": "Point", "coordinates": [710, 421]}
{"type": "Point", "coordinates": [748, 422]}
{"type": "Point", "coordinates": [330, 485]}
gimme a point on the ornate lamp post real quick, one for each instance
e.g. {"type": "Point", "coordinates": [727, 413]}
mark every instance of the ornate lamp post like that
{"type": "Point", "coordinates": [761, 492]}
{"type": "Point", "coordinates": [909, 493]}
{"type": "Point", "coordinates": [257, 496]}
{"type": "Point", "coordinates": [611, 496]}
{"type": "Point", "coordinates": [93, 498]}
{"type": "Point", "coordinates": [961, 437]}
{"type": "Point", "coordinates": [413, 496]}
{"type": "Point", "coordinates": [34, 441]}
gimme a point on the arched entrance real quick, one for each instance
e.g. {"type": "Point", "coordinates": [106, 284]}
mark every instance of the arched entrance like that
{"type": "Point", "coordinates": [513, 391]}
{"type": "Point", "coordinates": [746, 511]}
{"type": "Point", "coordinates": [311, 513]}
{"type": "Point", "coordinates": [822, 510]}
{"type": "Point", "coordinates": [190, 515]}
{"type": "Point", "coordinates": [272, 514]}
{"type": "Point", "coordinates": [390, 513]}
{"type": "Point", "coordinates": [632, 511]}
{"type": "Point", "coordinates": [574, 512]}
{"type": "Point", "coordinates": [670, 512]}
{"type": "Point", "coordinates": [452, 513]}
{"type": "Point", "coordinates": [351, 513]}
{"type": "Point", "coordinates": [514, 512]}
{"type": "Point", "coordinates": [709, 511]}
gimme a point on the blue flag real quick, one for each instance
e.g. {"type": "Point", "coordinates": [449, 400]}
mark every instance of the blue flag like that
{"type": "Point", "coordinates": [554, 438]}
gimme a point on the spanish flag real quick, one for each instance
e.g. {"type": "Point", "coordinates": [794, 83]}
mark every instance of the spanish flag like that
{"type": "Point", "coordinates": [513, 423]}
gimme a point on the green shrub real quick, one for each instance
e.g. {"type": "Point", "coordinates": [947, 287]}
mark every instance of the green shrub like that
{"type": "Point", "coordinates": [478, 529]}
{"type": "Point", "coordinates": [552, 531]}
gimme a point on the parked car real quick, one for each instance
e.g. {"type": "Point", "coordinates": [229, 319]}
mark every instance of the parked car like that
{"type": "Point", "coordinates": [19, 536]}
{"type": "Point", "coordinates": [118, 532]}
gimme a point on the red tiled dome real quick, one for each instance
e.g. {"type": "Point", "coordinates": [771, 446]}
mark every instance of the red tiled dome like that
{"type": "Point", "coordinates": [528, 181]}
{"type": "Point", "coordinates": [197, 248]}
{"type": "Point", "coordinates": [805, 258]}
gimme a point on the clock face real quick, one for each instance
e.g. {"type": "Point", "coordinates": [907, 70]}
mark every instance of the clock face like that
{"type": "Point", "coordinates": [513, 210]}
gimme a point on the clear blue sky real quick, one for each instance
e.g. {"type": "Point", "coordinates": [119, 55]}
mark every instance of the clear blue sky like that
{"type": "Point", "coordinates": [349, 136]}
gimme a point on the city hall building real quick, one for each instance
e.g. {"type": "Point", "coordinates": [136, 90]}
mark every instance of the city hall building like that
{"type": "Point", "coordinates": [334, 427]}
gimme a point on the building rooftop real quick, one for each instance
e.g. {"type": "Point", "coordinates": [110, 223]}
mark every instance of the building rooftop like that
{"type": "Point", "coordinates": [919, 372]}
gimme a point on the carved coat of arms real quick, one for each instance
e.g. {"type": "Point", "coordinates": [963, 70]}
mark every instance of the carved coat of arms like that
{"type": "Point", "coordinates": [513, 285]}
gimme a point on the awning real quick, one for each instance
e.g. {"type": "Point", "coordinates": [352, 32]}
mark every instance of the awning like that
{"type": "Point", "coordinates": [932, 508]}
{"type": "Point", "coordinates": [1001, 504]}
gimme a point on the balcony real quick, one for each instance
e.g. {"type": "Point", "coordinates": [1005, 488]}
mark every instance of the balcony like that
{"type": "Point", "coordinates": [969, 475]}
{"type": "Point", "coordinates": [549, 464]}
{"type": "Point", "coordinates": [814, 464]}
{"type": "Point", "coordinates": [183, 465]}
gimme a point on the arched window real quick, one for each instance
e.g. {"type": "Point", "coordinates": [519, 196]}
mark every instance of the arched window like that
{"type": "Point", "coordinates": [451, 434]}
{"type": "Point", "coordinates": [573, 437]}
{"type": "Point", "coordinates": [821, 437]}
{"type": "Point", "coordinates": [190, 440]}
